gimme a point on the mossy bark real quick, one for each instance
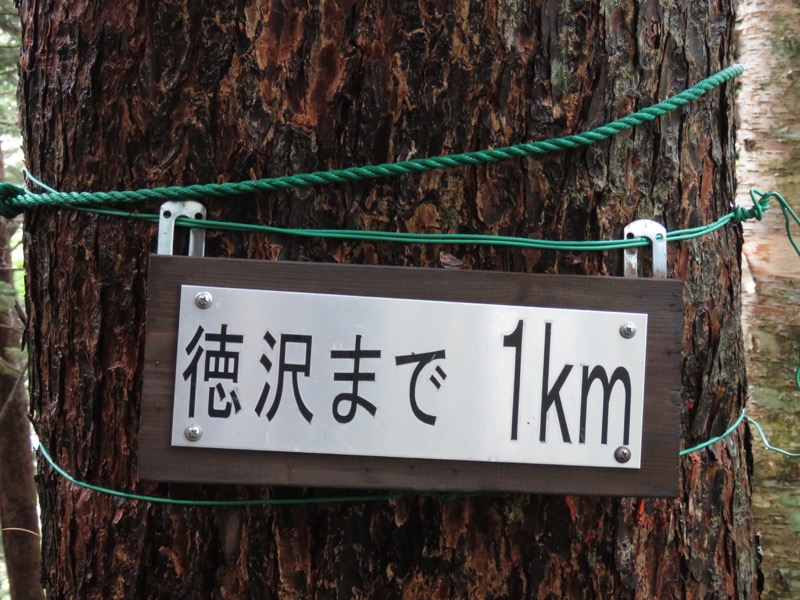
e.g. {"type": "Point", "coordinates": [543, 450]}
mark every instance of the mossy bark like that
{"type": "Point", "coordinates": [135, 94]}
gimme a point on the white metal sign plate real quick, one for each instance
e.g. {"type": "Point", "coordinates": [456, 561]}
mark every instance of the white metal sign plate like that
{"type": "Point", "coordinates": [386, 377]}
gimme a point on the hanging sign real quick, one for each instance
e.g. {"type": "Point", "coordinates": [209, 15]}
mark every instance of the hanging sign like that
{"type": "Point", "coordinates": [308, 374]}
{"type": "Point", "coordinates": [361, 376]}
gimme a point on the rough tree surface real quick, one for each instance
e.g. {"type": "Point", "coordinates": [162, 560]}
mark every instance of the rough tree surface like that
{"type": "Point", "coordinates": [132, 94]}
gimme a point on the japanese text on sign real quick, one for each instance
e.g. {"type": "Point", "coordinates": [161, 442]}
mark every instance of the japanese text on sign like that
{"type": "Point", "coordinates": [353, 375]}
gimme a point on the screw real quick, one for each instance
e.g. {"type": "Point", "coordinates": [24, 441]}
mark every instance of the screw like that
{"type": "Point", "coordinates": [622, 454]}
{"type": "Point", "coordinates": [193, 433]}
{"type": "Point", "coordinates": [627, 330]}
{"type": "Point", "coordinates": [203, 299]}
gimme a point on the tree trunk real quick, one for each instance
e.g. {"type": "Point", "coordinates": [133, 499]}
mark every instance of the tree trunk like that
{"type": "Point", "coordinates": [140, 94]}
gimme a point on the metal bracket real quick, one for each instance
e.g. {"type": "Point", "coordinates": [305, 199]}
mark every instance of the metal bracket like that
{"type": "Point", "coordinates": [657, 234]}
{"type": "Point", "coordinates": [166, 227]}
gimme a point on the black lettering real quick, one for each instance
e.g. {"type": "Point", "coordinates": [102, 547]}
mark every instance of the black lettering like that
{"type": "Point", "coordinates": [514, 340]}
{"type": "Point", "coordinates": [620, 375]}
{"type": "Point", "coordinates": [552, 396]}
{"type": "Point", "coordinates": [422, 359]}
{"type": "Point", "coordinates": [218, 413]}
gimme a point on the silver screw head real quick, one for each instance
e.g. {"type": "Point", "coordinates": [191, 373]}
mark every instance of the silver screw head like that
{"type": "Point", "coordinates": [622, 454]}
{"type": "Point", "coordinates": [193, 432]}
{"type": "Point", "coordinates": [203, 299]}
{"type": "Point", "coordinates": [627, 330]}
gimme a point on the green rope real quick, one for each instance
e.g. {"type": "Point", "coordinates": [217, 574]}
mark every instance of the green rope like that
{"type": "Point", "coordinates": [14, 200]}
{"type": "Point", "coordinates": [182, 502]}
{"type": "Point", "coordinates": [761, 204]}
{"type": "Point", "coordinates": [389, 236]}
{"type": "Point", "coordinates": [769, 446]}
{"type": "Point", "coordinates": [714, 440]}
{"type": "Point", "coordinates": [739, 214]}
{"type": "Point", "coordinates": [440, 496]}
{"type": "Point", "coordinates": [797, 371]}
{"type": "Point", "coordinates": [733, 428]}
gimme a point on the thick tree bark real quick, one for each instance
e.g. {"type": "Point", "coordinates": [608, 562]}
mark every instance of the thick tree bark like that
{"type": "Point", "coordinates": [126, 95]}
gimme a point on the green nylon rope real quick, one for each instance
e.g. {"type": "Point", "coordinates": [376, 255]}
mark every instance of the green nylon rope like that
{"type": "Point", "coordinates": [716, 439]}
{"type": "Point", "coordinates": [443, 497]}
{"type": "Point", "coordinates": [797, 371]}
{"type": "Point", "coordinates": [14, 199]}
{"type": "Point", "coordinates": [769, 446]}
{"type": "Point", "coordinates": [737, 215]}
{"type": "Point", "coordinates": [183, 502]}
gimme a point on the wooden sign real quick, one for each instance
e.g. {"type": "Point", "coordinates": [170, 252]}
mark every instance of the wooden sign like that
{"type": "Point", "coordinates": [282, 373]}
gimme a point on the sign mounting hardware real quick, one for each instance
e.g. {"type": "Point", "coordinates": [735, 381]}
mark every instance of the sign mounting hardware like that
{"type": "Point", "coordinates": [657, 234]}
{"type": "Point", "coordinates": [169, 213]}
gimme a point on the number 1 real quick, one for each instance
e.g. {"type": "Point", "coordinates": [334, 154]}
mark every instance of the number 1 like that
{"type": "Point", "coordinates": [514, 340]}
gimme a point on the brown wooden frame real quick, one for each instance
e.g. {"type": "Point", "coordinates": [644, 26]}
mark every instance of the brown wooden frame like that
{"type": "Point", "coordinates": [661, 299]}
